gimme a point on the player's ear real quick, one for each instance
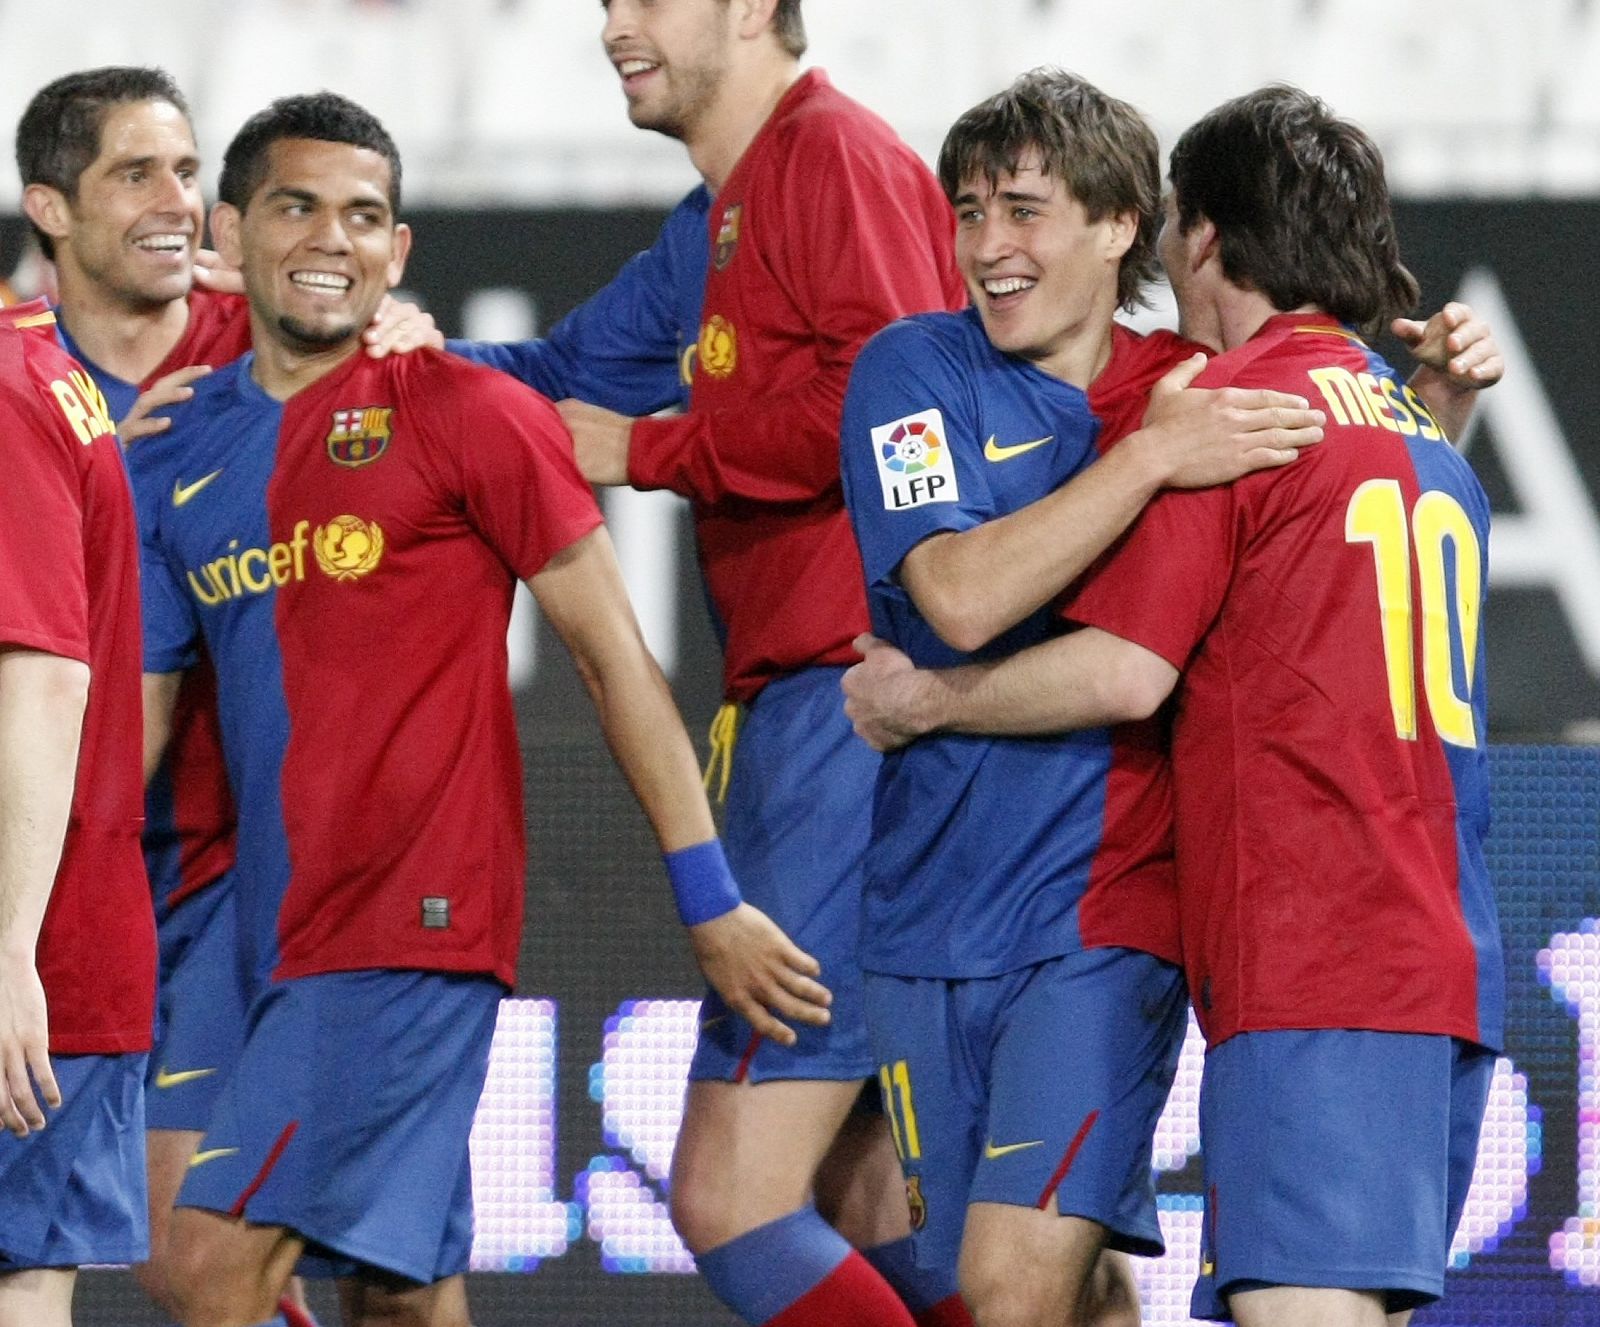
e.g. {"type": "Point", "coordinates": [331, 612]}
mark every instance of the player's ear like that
{"type": "Point", "coordinates": [1122, 228]}
{"type": "Point", "coordinates": [226, 221]}
{"type": "Point", "coordinates": [754, 16]}
{"type": "Point", "coordinates": [48, 209]}
{"type": "Point", "coordinates": [402, 251]}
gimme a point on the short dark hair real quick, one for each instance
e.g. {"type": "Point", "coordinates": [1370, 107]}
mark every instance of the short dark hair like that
{"type": "Point", "coordinates": [1300, 203]}
{"type": "Point", "coordinates": [323, 116]}
{"type": "Point", "coordinates": [790, 27]}
{"type": "Point", "coordinates": [58, 136]}
{"type": "Point", "coordinates": [1102, 149]}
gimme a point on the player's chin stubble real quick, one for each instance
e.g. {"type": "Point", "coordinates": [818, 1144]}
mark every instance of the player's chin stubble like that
{"type": "Point", "coordinates": [303, 336]}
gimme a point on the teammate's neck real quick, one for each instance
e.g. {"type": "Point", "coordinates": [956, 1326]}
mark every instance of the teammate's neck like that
{"type": "Point", "coordinates": [744, 104]}
{"type": "Point", "coordinates": [281, 371]}
{"type": "Point", "coordinates": [127, 341]}
{"type": "Point", "coordinates": [1238, 314]}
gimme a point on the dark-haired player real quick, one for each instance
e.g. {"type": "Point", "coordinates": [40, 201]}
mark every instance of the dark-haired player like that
{"type": "Point", "coordinates": [349, 564]}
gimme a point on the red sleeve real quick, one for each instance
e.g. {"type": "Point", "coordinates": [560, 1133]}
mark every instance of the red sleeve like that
{"type": "Point", "coordinates": [44, 600]}
{"type": "Point", "coordinates": [510, 464]}
{"type": "Point", "coordinates": [1163, 584]}
{"type": "Point", "coordinates": [872, 244]}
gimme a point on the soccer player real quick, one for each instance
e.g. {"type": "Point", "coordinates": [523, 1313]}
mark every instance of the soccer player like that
{"type": "Point", "coordinates": [814, 227]}
{"type": "Point", "coordinates": [1339, 930]}
{"type": "Point", "coordinates": [76, 929]}
{"type": "Point", "coordinates": [1020, 926]}
{"type": "Point", "coordinates": [348, 556]}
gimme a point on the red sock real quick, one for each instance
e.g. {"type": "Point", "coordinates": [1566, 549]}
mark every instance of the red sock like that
{"type": "Point", "coordinates": [852, 1295]}
{"type": "Point", "coordinates": [294, 1315]}
{"type": "Point", "coordinates": [950, 1312]}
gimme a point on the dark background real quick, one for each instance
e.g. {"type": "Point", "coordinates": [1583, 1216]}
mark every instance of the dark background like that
{"type": "Point", "coordinates": [601, 928]}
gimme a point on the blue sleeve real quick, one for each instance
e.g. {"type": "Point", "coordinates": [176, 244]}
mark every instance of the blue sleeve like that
{"type": "Point", "coordinates": [911, 451]}
{"type": "Point", "coordinates": [622, 347]}
{"type": "Point", "coordinates": [171, 629]}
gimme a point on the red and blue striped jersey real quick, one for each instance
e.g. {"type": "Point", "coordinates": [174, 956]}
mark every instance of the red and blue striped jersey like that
{"type": "Point", "coordinates": [188, 816]}
{"type": "Point", "coordinates": [992, 853]}
{"type": "Point", "coordinates": [348, 558]}
{"type": "Point", "coordinates": [1329, 738]}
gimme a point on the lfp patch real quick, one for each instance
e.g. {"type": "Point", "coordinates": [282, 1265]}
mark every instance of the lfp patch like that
{"type": "Point", "coordinates": [914, 462]}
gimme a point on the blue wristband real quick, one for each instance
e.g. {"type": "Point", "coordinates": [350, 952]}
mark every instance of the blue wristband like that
{"type": "Point", "coordinates": [702, 884]}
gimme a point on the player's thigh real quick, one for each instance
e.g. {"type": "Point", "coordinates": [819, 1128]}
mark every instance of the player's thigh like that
{"type": "Point", "coordinates": [1302, 1306]}
{"type": "Point", "coordinates": [860, 1189]}
{"type": "Point", "coordinates": [167, 1153]}
{"type": "Point", "coordinates": [224, 1267]}
{"type": "Point", "coordinates": [1023, 1265]}
{"type": "Point", "coordinates": [747, 1153]}
{"type": "Point", "coordinates": [37, 1297]}
{"type": "Point", "coordinates": [366, 1301]}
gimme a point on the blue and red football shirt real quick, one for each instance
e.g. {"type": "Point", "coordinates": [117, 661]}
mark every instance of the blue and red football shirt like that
{"type": "Point", "coordinates": [1329, 741]}
{"type": "Point", "coordinates": [69, 586]}
{"type": "Point", "coordinates": [992, 853]}
{"type": "Point", "coordinates": [349, 558]}
{"type": "Point", "coordinates": [189, 816]}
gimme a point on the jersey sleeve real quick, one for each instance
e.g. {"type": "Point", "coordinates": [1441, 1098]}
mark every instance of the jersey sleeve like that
{"type": "Point", "coordinates": [505, 455]}
{"type": "Point", "coordinates": [859, 256]}
{"type": "Point", "coordinates": [1163, 584]}
{"type": "Point", "coordinates": [44, 601]}
{"type": "Point", "coordinates": [619, 348]}
{"type": "Point", "coordinates": [170, 624]}
{"type": "Point", "coordinates": [908, 449]}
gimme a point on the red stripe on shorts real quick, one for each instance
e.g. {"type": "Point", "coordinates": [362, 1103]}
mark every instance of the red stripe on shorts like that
{"type": "Point", "coordinates": [1067, 1160]}
{"type": "Point", "coordinates": [743, 1071]}
{"type": "Point", "coordinates": [266, 1168]}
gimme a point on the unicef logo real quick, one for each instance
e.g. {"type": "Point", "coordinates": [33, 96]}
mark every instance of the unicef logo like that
{"type": "Point", "coordinates": [719, 347]}
{"type": "Point", "coordinates": [912, 448]}
{"type": "Point", "coordinates": [347, 547]}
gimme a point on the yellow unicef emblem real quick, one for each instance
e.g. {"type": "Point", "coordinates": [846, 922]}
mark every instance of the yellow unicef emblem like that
{"type": "Point", "coordinates": [347, 547]}
{"type": "Point", "coordinates": [719, 350]}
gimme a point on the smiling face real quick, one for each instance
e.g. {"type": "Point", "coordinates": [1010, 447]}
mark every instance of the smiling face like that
{"type": "Point", "coordinates": [1042, 276]}
{"type": "Point", "coordinates": [134, 222]}
{"type": "Point", "coordinates": [672, 57]}
{"type": "Point", "coordinates": [317, 242]}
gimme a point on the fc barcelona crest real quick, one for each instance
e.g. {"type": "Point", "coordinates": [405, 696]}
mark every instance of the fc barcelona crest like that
{"type": "Point", "coordinates": [360, 436]}
{"type": "Point", "coordinates": [727, 236]}
{"type": "Point", "coordinates": [917, 1203]}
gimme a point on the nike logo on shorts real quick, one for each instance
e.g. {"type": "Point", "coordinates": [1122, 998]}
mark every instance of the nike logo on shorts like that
{"type": "Point", "coordinates": [991, 1152]}
{"type": "Point", "coordinates": [169, 1078]}
{"type": "Point", "coordinates": [211, 1154]}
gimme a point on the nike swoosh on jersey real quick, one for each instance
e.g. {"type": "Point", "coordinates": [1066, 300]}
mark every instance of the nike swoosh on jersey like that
{"type": "Point", "coordinates": [181, 492]}
{"type": "Point", "coordinates": [211, 1154]}
{"type": "Point", "coordinates": [169, 1078]}
{"type": "Point", "coordinates": [993, 451]}
{"type": "Point", "coordinates": [990, 1151]}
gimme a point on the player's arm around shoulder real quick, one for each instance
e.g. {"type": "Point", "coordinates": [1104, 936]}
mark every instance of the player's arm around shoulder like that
{"type": "Point", "coordinates": [743, 954]}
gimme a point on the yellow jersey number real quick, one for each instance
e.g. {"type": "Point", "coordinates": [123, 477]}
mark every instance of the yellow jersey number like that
{"type": "Point", "coordinates": [894, 1081]}
{"type": "Point", "coordinates": [1377, 516]}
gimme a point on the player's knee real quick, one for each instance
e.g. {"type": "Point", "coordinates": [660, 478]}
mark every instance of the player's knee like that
{"type": "Point", "coordinates": [155, 1280]}
{"type": "Point", "coordinates": [1110, 1296]}
{"type": "Point", "coordinates": [699, 1214]}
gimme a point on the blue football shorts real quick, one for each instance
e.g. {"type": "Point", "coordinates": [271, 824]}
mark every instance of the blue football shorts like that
{"type": "Point", "coordinates": [74, 1192]}
{"type": "Point", "coordinates": [1336, 1158]}
{"type": "Point", "coordinates": [200, 1010]}
{"type": "Point", "coordinates": [798, 818]}
{"type": "Point", "coordinates": [347, 1115]}
{"type": "Point", "coordinates": [1038, 1088]}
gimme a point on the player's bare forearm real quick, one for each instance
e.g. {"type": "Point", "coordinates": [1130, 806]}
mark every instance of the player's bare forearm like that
{"type": "Point", "coordinates": [974, 584]}
{"type": "Point", "coordinates": [160, 691]}
{"type": "Point", "coordinates": [42, 699]}
{"type": "Point", "coordinates": [1081, 680]}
